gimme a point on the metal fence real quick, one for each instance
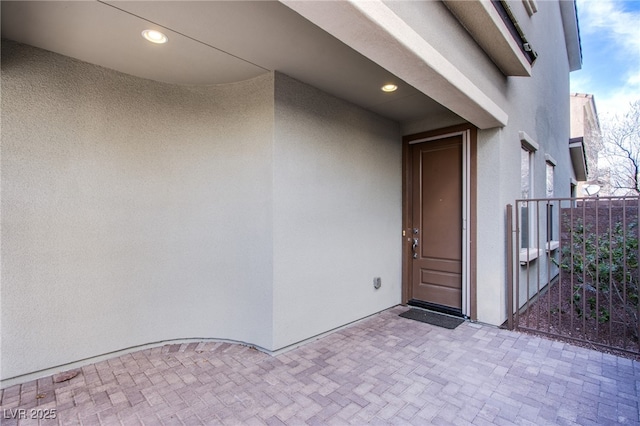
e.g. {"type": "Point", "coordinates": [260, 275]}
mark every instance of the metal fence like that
{"type": "Point", "coordinates": [573, 269]}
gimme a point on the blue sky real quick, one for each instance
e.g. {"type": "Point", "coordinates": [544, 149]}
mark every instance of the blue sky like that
{"type": "Point", "coordinates": [610, 38]}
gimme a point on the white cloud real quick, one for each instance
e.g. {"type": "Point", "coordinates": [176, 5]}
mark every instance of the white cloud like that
{"type": "Point", "coordinates": [616, 103]}
{"type": "Point", "coordinates": [607, 17]}
{"type": "Point", "coordinates": [634, 78]}
{"type": "Point", "coordinates": [607, 20]}
{"type": "Point", "coordinates": [580, 79]}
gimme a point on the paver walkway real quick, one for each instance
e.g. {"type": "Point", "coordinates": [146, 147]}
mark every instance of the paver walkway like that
{"type": "Point", "coordinates": [382, 370]}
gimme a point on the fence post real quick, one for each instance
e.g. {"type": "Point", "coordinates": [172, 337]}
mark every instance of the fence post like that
{"type": "Point", "coordinates": [510, 266]}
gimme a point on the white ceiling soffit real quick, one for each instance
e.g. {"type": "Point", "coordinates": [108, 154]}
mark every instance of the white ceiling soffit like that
{"type": "Point", "coordinates": [372, 29]}
{"type": "Point", "coordinates": [105, 36]}
{"type": "Point", "coordinates": [211, 42]}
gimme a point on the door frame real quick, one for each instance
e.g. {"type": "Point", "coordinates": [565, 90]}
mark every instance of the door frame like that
{"type": "Point", "coordinates": [469, 182]}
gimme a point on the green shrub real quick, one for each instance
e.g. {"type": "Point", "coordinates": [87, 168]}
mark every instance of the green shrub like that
{"type": "Point", "coordinates": [605, 268]}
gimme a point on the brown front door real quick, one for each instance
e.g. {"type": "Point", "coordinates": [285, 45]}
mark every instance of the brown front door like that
{"type": "Point", "coordinates": [436, 223]}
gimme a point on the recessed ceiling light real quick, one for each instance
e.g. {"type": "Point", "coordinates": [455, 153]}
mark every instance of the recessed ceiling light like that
{"type": "Point", "coordinates": [389, 88]}
{"type": "Point", "coordinates": [155, 36]}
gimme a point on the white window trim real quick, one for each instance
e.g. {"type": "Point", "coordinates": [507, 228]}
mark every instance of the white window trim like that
{"type": "Point", "coordinates": [531, 6]}
{"type": "Point", "coordinates": [552, 245]}
{"type": "Point", "coordinates": [527, 255]}
{"type": "Point", "coordinates": [549, 159]}
{"type": "Point", "coordinates": [528, 142]}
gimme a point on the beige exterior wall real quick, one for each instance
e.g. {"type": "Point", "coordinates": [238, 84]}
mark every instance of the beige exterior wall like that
{"type": "Point", "coordinates": [585, 124]}
{"type": "Point", "coordinates": [539, 106]}
{"type": "Point", "coordinates": [584, 117]}
{"type": "Point", "coordinates": [135, 212]}
{"type": "Point", "coordinates": [435, 24]}
{"type": "Point", "coordinates": [337, 212]}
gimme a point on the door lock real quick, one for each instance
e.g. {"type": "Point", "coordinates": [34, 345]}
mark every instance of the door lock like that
{"type": "Point", "coordinates": [414, 246]}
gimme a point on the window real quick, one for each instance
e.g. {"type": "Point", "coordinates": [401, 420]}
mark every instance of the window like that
{"type": "Point", "coordinates": [526, 189]}
{"type": "Point", "coordinates": [550, 171]}
{"type": "Point", "coordinates": [551, 231]}
{"type": "Point", "coordinates": [526, 175]}
{"type": "Point", "coordinates": [528, 210]}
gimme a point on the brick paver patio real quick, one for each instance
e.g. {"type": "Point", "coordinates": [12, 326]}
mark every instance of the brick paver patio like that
{"type": "Point", "coordinates": [382, 370]}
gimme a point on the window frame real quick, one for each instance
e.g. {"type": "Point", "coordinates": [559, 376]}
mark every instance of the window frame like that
{"type": "Point", "coordinates": [550, 174]}
{"type": "Point", "coordinates": [528, 249]}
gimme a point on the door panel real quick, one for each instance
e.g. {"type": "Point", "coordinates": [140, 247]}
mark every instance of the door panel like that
{"type": "Point", "coordinates": [437, 222]}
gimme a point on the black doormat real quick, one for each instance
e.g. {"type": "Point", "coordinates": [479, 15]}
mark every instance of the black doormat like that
{"type": "Point", "coordinates": [432, 318]}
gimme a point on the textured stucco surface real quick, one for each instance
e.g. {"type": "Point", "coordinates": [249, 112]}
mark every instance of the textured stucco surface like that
{"type": "Point", "coordinates": [436, 24]}
{"type": "Point", "coordinates": [539, 106]}
{"type": "Point", "coordinates": [337, 212]}
{"type": "Point", "coordinates": [132, 211]}
{"type": "Point", "coordinates": [136, 212]}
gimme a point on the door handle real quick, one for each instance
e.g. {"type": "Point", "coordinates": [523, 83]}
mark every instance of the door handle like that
{"type": "Point", "coordinates": [414, 246]}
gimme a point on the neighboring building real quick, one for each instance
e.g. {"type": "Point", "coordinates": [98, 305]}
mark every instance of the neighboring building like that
{"type": "Point", "coordinates": [249, 180]}
{"type": "Point", "coordinates": [585, 142]}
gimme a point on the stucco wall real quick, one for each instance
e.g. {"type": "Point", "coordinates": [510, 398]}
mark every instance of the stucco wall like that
{"type": "Point", "coordinates": [132, 211]}
{"type": "Point", "coordinates": [135, 212]}
{"type": "Point", "coordinates": [539, 106]}
{"type": "Point", "coordinates": [437, 25]}
{"type": "Point", "coordinates": [337, 212]}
